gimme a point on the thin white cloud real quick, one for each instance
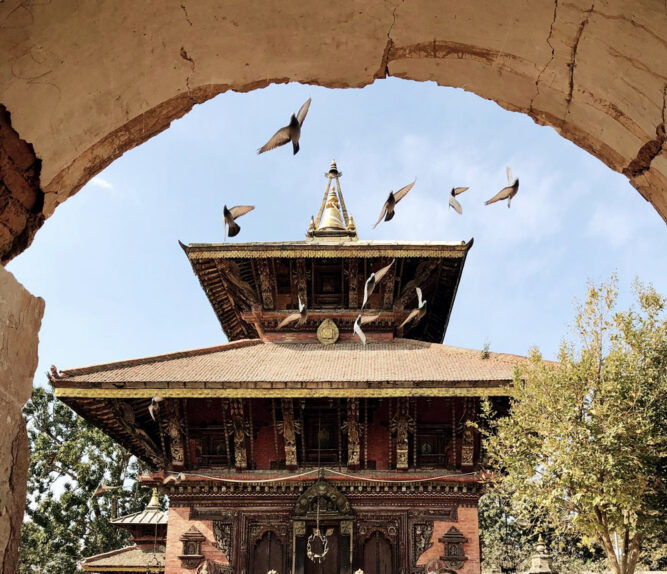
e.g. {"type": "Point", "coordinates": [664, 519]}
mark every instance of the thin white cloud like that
{"type": "Point", "coordinates": [100, 182]}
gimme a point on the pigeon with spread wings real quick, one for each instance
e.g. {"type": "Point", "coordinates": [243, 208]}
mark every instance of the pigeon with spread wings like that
{"type": "Point", "coordinates": [506, 192]}
{"type": "Point", "coordinates": [363, 320]}
{"type": "Point", "coordinates": [230, 216]}
{"type": "Point", "coordinates": [416, 314]}
{"type": "Point", "coordinates": [154, 407]}
{"type": "Point", "coordinates": [290, 133]}
{"type": "Point", "coordinates": [389, 205]}
{"type": "Point", "coordinates": [453, 202]}
{"type": "Point", "coordinates": [373, 280]}
{"type": "Point", "coordinates": [301, 316]}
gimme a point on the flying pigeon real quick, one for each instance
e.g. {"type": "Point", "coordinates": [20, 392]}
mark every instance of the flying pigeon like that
{"type": "Point", "coordinates": [154, 407]}
{"type": "Point", "coordinates": [419, 312]}
{"type": "Point", "coordinates": [174, 479]}
{"type": "Point", "coordinates": [230, 215]}
{"type": "Point", "coordinates": [373, 280]}
{"type": "Point", "coordinates": [453, 202]}
{"type": "Point", "coordinates": [392, 200]}
{"type": "Point", "coordinates": [291, 132]}
{"type": "Point", "coordinates": [362, 320]}
{"type": "Point", "coordinates": [301, 316]}
{"type": "Point", "coordinates": [506, 192]}
{"type": "Point", "coordinates": [103, 489]}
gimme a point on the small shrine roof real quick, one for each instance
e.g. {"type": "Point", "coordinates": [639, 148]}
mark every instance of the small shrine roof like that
{"type": "Point", "coordinates": [258, 368]}
{"type": "Point", "coordinates": [147, 516]}
{"type": "Point", "coordinates": [129, 559]}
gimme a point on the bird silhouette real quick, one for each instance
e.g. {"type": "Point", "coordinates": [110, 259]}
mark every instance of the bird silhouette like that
{"type": "Point", "coordinates": [506, 192]}
{"type": "Point", "coordinates": [373, 280]}
{"type": "Point", "coordinates": [363, 320]}
{"type": "Point", "coordinates": [416, 314]}
{"type": "Point", "coordinates": [389, 205]}
{"type": "Point", "coordinates": [174, 479]}
{"type": "Point", "coordinates": [229, 218]}
{"type": "Point", "coordinates": [453, 202]}
{"type": "Point", "coordinates": [291, 132]}
{"type": "Point", "coordinates": [300, 316]}
{"type": "Point", "coordinates": [154, 407]}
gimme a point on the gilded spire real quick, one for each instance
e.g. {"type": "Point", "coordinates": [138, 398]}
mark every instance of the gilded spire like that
{"type": "Point", "coordinates": [154, 502]}
{"type": "Point", "coordinates": [332, 221]}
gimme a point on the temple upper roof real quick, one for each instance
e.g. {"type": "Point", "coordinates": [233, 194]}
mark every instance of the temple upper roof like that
{"type": "Point", "coordinates": [258, 368]}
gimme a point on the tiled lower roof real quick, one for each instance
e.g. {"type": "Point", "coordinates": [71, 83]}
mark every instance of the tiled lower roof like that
{"type": "Point", "coordinates": [254, 361]}
{"type": "Point", "coordinates": [132, 558]}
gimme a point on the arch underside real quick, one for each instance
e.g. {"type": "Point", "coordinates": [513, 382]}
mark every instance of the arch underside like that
{"type": "Point", "coordinates": [83, 83]}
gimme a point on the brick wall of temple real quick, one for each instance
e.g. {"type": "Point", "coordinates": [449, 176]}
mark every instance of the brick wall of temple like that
{"type": "Point", "coordinates": [178, 524]}
{"type": "Point", "coordinates": [467, 524]}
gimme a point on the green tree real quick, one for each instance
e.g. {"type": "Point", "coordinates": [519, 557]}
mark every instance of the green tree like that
{"type": "Point", "coordinates": [585, 445]}
{"type": "Point", "coordinates": [69, 460]}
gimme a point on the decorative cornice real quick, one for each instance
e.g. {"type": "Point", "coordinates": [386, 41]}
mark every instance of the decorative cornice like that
{"type": "Point", "coordinates": [324, 390]}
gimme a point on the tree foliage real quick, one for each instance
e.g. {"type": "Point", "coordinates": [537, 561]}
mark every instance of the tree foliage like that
{"type": "Point", "coordinates": [70, 459]}
{"type": "Point", "coordinates": [584, 451]}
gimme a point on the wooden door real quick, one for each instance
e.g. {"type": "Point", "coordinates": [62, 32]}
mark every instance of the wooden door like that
{"type": "Point", "coordinates": [268, 554]}
{"type": "Point", "coordinates": [331, 563]}
{"type": "Point", "coordinates": [378, 555]}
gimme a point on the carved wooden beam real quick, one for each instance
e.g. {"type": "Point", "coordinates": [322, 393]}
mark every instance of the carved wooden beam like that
{"type": "Point", "coordinates": [175, 433]}
{"type": "Point", "coordinates": [353, 443]}
{"type": "Point", "coordinates": [389, 281]}
{"type": "Point", "coordinates": [239, 433]}
{"type": "Point", "coordinates": [289, 434]}
{"type": "Point", "coordinates": [352, 278]}
{"type": "Point", "coordinates": [301, 281]}
{"type": "Point", "coordinates": [402, 429]}
{"type": "Point", "coordinates": [265, 284]}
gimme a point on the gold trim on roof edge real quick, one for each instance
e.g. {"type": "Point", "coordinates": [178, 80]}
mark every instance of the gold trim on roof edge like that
{"type": "Point", "coordinates": [275, 393]}
{"type": "Point", "coordinates": [328, 251]}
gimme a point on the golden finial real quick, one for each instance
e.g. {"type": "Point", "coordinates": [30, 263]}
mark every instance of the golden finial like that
{"type": "Point", "coordinates": [351, 227]}
{"type": "Point", "coordinates": [154, 502]}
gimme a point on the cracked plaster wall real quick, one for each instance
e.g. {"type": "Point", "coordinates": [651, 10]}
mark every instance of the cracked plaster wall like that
{"type": "Point", "coordinates": [20, 318]}
{"type": "Point", "coordinates": [84, 82]}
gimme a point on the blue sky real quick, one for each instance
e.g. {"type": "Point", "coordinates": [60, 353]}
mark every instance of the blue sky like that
{"type": "Point", "coordinates": [118, 286]}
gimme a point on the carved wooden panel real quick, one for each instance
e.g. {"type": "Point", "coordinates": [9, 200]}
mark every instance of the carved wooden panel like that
{"type": "Point", "coordinates": [266, 284]}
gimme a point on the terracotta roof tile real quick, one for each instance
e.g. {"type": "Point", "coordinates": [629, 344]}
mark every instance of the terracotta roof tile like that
{"type": "Point", "coordinates": [402, 360]}
{"type": "Point", "coordinates": [132, 556]}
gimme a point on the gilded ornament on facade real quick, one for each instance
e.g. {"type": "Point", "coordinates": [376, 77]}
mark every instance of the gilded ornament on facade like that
{"type": "Point", "coordinates": [327, 332]}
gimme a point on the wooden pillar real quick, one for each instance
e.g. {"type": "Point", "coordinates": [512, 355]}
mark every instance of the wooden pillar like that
{"type": "Point", "coordinates": [238, 429]}
{"type": "Point", "coordinates": [289, 434]}
{"type": "Point", "coordinates": [402, 426]}
{"type": "Point", "coordinates": [175, 433]}
{"type": "Point", "coordinates": [353, 442]}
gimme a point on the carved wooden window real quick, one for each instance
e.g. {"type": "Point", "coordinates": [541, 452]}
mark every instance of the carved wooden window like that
{"type": "Point", "coordinates": [434, 446]}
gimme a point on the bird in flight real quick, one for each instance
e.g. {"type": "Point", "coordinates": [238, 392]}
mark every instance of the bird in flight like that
{"type": "Point", "coordinates": [392, 200]}
{"type": "Point", "coordinates": [373, 280]}
{"type": "Point", "coordinates": [230, 215]}
{"type": "Point", "coordinates": [363, 320]}
{"type": "Point", "coordinates": [290, 132]}
{"type": "Point", "coordinates": [416, 314]}
{"type": "Point", "coordinates": [506, 192]}
{"type": "Point", "coordinates": [300, 316]}
{"type": "Point", "coordinates": [154, 407]}
{"type": "Point", "coordinates": [174, 479]}
{"type": "Point", "coordinates": [453, 202]}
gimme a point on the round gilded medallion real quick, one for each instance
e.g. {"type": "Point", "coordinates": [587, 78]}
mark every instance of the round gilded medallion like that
{"type": "Point", "coordinates": [327, 332]}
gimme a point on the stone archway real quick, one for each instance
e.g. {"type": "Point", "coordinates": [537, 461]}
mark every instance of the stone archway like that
{"type": "Point", "coordinates": [81, 84]}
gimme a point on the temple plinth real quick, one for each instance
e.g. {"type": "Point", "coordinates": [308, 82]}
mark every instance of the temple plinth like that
{"type": "Point", "coordinates": [296, 426]}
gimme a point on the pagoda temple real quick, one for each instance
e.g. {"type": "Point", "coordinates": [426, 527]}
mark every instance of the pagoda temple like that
{"type": "Point", "coordinates": [295, 447]}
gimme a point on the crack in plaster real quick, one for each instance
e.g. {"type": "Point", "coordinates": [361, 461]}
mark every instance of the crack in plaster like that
{"type": "Point", "coordinates": [553, 55]}
{"type": "Point", "coordinates": [185, 11]}
{"type": "Point", "coordinates": [383, 70]}
{"type": "Point", "coordinates": [572, 63]}
{"type": "Point", "coordinates": [651, 149]}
